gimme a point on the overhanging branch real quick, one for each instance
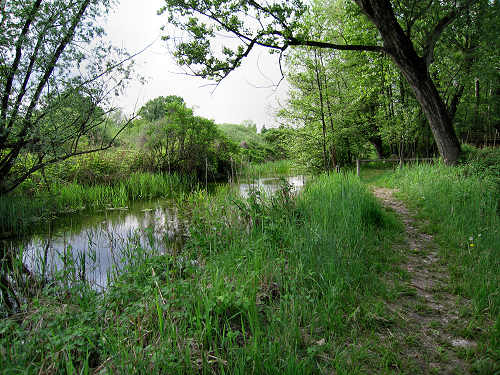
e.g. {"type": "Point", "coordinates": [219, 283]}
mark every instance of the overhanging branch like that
{"type": "Point", "coordinates": [342, 47]}
{"type": "Point", "coordinates": [54, 160]}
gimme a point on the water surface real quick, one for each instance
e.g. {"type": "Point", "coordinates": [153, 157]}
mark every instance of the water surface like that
{"type": "Point", "coordinates": [94, 244]}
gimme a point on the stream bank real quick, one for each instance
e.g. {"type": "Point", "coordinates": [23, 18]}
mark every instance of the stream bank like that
{"type": "Point", "coordinates": [272, 284]}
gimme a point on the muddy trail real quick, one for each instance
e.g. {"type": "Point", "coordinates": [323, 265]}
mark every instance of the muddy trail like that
{"type": "Point", "coordinates": [427, 312]}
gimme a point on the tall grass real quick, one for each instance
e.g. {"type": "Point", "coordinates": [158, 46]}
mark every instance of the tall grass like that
{"type": "Point", "coordinates": [273, 285]}
{"type": "Point", "coordinates": [267, 169]}
{"type": "Point", "coordinates": [463, 212]}
{"type": "Point", "coordinates": [18, 213]}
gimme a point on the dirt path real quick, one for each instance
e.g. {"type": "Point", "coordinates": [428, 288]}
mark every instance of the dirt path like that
{"type": "Point", "coordinates": [427, 312]}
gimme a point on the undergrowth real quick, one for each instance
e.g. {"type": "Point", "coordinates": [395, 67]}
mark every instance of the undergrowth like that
{"type": "Point", "coordinates": [275, 285]}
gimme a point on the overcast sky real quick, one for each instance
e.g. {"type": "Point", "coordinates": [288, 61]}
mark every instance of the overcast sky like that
{"type": "Point", "coordinates": [248, 93]}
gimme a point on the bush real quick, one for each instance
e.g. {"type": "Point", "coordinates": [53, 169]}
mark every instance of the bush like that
{"type": "Point", "coordinates": [482, 162]}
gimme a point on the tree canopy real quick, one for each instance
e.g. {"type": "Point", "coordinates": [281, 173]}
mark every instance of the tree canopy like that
{"type": "Point", "coordinates": [409, 32]}
{"type": "Point", "coordinates": [156, 108]}
{"type": "Point", "coordinates": [176, 140]}
{"type": "Point", "coordinates": [347, 99]}
{"type": "Point", "coordinates": [56, 79]}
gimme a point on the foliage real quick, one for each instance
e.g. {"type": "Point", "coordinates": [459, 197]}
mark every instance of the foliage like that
{"type": "Point", "coordinates": [432, 47]}
{"type": "Point", "coordinates": [103, 168]}
{"type": "Point", "coordinates": [156, 108]}
{"type": "Point", "coordinates": [268, 145]}
{"type": "Point", "coordinates": [253, 146]}
{"type": "Point", "coordinates": [240, 133]}
{"type": "Point", "coordinates": [277, 140]}
{"type": "Point", "coordinates": [270, 285]}
{"type": "Point", "coordinates": [55, 79]}
{"type": "Point", "coordinates": [362, 99]}
{"type": "Point", "coordinates": [189, 144]}
{"type": "Point", "coordinates": [483, 163]}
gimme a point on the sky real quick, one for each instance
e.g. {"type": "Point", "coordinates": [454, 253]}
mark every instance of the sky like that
{"type": "Point", "coordinates": [248, 93]}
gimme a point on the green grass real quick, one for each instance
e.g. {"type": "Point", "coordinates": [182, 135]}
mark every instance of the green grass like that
{"type": "Point", "coordinates": [462, 210]}
{"type": "Point", "coordinates": [280, 285]}
{"type": "Point", "coordinates": [268, 169]}
{"type": "Point", "coordinates": [375, 175]}
{"type": "Point", "coordinates": [19, 212]}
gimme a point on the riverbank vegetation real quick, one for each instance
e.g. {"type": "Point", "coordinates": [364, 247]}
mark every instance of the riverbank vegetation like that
{"type": "Point", "coordinates": [269, 169]}
{"type": "Point", "coordinates": [23, 215]}
{"type": "Point", "coordinates": [275, 284]}
{"type": "Point", "coordinates": [167, 151]}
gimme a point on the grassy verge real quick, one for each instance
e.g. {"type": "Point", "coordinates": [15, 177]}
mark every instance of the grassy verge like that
{"type": "Point", "coordinates": [20, 212]}
{"type": "Point", "coordinates": [280, 285]}
{"type": "Point", "coordinates": [376, 175]}
{"type": "Point", "coordinates": [461, 210]}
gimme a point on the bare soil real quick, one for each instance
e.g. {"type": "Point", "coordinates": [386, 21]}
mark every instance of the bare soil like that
{"type": "Point", "coordinates": [427, 311]}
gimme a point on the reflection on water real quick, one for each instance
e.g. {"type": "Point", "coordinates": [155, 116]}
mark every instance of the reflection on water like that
{"type": "Point", "coordinates": [271, 185]}
{"type": "Point", "coordinates": [96, 244]}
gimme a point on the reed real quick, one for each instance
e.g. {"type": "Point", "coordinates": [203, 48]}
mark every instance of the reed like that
{"type": "Point", "coordinates": [267, 169]}
{"type": "Point", "coordinates": [19, 213]}
{"type": "Point", "coordinates": [266, 285]}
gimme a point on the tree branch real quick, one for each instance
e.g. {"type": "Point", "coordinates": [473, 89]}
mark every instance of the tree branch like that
{"type": "Point", "coordinates": [39, 166]}
{"type": "Point", "coordinates": [342, 47]}
{"type": "Point", "coordinates": [435, 34]}
{"type": "Point", "coordinates": [17, 60]}
{"type": "Point", "coordinates": [27, 78]}
{"type": "Point", "coordinates": [51, 65]}
{"type": "Point", "coordinates": [268, 12]}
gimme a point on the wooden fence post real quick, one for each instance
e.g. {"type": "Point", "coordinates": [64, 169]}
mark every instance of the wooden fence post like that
{"type": "Point", "coordinates": [358, 167]}
{"type": "Point", "coordinates": [232, 172]}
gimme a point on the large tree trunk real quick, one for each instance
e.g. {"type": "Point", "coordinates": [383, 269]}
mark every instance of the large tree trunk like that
{"type": "Point", "coordinates": [436, 113]}
{"type": "Point", "coordinates": [376, 141]}
{"type": "Point", "coordinates": [415, 69]}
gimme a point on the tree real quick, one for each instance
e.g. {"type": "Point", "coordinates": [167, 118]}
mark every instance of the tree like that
{"type": "Point", "coordinates": [180, 141]}
{"type": "Point", "coordinates": [472, 85]}
{"type": "Point", "coordinates": [155, 109]}
{"type": "Point", "coordinates": [276, 138]}
{"type": "Point", "coordinates": [56, 80]}
{"type": "Point", "coordinates": [278, 25]}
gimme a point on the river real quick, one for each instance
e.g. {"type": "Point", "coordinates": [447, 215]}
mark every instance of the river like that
{"type": "Point", "coordinates": [95, 245]}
